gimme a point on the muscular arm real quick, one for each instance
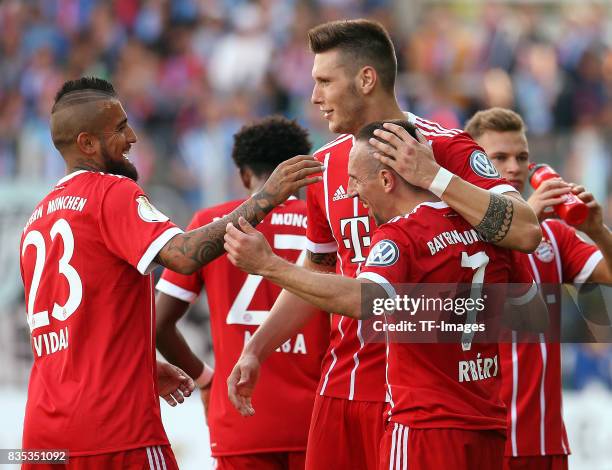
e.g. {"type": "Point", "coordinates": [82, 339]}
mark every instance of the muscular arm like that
{"type": "Point", "coordinates": [505, 220]}
{"type": "Point", "coordinates": [170, 342]}
{"type": "Point", "coordinates": [187, 252]}
{"type": "Point", "coordinates": [288, 314]}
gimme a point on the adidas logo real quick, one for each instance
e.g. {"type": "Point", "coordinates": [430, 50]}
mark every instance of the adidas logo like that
{"type": "Point", "coordinates": [339, 194]}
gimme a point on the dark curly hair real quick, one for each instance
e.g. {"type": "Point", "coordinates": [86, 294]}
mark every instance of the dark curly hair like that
{"type": "Point", "coordinates": [262, 145]}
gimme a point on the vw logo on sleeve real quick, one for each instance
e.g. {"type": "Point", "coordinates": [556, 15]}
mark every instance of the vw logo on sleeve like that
{"type": "Point", "coordinates": [384, 253]}
{"type": "Point", "coordinates": [482, 166]}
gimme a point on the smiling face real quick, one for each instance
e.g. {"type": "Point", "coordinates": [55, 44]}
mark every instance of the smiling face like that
{"type": "Point", "coordinates": [364, 174]}
{"type": "Point", "coordinates": [335, 92]}
{"type": "Point", "coordinates": [509, 152]}
{"type": "Point", "coordinates": [116, 139]}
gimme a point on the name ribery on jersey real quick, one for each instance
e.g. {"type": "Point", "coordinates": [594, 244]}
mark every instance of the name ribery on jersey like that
{"type": "Point", "coordinates": [74, 203]}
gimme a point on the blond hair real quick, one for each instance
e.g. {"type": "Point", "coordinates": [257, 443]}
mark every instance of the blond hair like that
{"type": "Point", "coordinates": [496, 120]}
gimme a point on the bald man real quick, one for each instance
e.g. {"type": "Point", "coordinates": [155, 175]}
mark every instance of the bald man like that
{"type": "Point", "coordinates": [86, 254]}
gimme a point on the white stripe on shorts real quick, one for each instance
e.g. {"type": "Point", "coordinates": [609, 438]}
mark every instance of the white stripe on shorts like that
{"type": "Point", "coordinates": [161, 458]}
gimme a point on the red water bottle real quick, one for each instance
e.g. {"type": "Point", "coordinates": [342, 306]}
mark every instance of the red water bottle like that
{"type": "Point", "coordinates": [572, 209]}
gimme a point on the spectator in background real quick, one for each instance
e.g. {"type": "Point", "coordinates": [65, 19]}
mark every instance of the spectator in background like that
{"type": "Point", "coordinates": [167, 57]}
{"type": "Point", "coordinates": [532, 372]}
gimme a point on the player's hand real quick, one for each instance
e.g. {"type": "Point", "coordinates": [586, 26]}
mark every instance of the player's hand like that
{"type": "Point", "coordinates": [247, 248]}
{"type": "Point", "coordinates": [413, 159]}
{"type": "Point", "coordinates": [241, 383]}
{"type": "Point", "coordinates": [173, 383]}
{"type": "Point", "coordinates": [594, 221]}
{"type": "Point", "coordinates": [289, 176]}
{"type": "Point", "coordinates": [549, 194]}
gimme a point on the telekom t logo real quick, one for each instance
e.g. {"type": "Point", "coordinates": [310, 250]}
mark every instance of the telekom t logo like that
{"type": "Point", "coordinates": [352, 238]}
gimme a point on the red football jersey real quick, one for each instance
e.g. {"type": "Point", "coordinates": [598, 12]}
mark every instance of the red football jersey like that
{"type": "Point", "coordinates": [532, 372]}
{"type": "Point", "coordinates": [239, 303]}
{"type": "Point", "coordinates": [85, 256]}
{"type": "Point", "coordinates": [353, 369]}
{"type": "Point", "coordinates": [442, 385]}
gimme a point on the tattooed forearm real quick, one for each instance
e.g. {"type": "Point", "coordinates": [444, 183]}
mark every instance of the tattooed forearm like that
{"type": "Point", "coordinates": [187, 252]}
{"type": "Point", "coordinates": [322, 259]}
{"type": "Point", "coordinates": [497, 220]}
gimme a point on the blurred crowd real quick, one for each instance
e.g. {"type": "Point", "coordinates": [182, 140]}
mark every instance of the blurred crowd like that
{"type": "Point", "coordinates": [191, 72]}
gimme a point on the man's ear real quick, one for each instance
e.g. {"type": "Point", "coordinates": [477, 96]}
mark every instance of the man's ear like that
{"type": "Point", "coordinates": [87, 143]}
{"type": "Point", "coordinates": [246, 175]}
{"type": "Point", "coordinates": [367, 79]}
{"type": "Point", "coordinates": [388, 180]}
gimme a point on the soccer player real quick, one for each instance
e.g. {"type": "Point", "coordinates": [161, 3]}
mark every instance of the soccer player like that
{"type": "Point", "coordinates": [440, 417]}
{"type": "Point", "coordinates": [275, 438]}
{"type": "Point", "coordinates": [354, 73]}
{"type": "Point", "coordinates": [86, 252]}
{"type": "Point", "coordinates": [532, 372]}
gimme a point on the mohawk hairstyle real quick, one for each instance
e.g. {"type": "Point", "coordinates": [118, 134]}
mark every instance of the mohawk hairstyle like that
{"type": "Point", "coordinates": [88, 87]}
{"type": "Point", "coordinates": [261, 146]}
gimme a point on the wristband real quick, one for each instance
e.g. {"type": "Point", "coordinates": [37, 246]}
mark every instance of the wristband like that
{"type": "Point", "coordinates": [205, 377]}
{"type": "Point", "coordinates": [441, 181]}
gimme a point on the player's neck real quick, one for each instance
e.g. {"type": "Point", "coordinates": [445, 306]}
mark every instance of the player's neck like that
{"type": "Point", "coordinates": [80, 163]}
{"type": "Point", "coordinates": [383, 108]}
{"type": "Point", "coordinates": [409, 199]}
{"type": "Point", "coordinates": [256, 184]}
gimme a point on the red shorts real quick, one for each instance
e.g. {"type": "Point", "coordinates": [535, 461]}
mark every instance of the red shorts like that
{"type": "Point", "coordinates": [344, 434]}
{"type": "Point", "coordinates": [428, 449]}
{"type": "Point", "coordinates": [143, 458]}
{"type": "Point", "coordinates": [264, 461]}
{"type": "Point", "coordinates": [536, 462]}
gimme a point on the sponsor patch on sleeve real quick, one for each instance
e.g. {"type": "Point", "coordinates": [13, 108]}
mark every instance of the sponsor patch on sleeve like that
{"type": "Point", "coordinates": [148, 212]}
{"type": "Point", "coordinates": [482, 166]}
{"type": "Point", "coordinates": [384, 253]}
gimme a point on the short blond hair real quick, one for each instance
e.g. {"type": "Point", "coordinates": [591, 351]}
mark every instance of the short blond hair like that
{"type": "Point", "coordinates": [496, 120]}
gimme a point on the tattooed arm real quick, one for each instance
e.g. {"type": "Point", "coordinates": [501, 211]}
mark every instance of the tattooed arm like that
{"type": "Point", "coordinates": [505, 220]}
{"type": "Point", "coordinates": [187, 252]}
{"type": "Point", "coordinates": [508, 221]}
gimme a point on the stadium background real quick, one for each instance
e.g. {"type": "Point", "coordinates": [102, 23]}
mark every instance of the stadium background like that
{"type": "Point", "coordinates": [191, 72]}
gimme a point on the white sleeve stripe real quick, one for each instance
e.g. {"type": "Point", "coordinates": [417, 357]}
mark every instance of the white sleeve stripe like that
{"type": "Point", "coordinates": [503, 188]}
{"type": "Point", "coordinates": [525, 298]}
{"type": "Point", "coordinates": [435, 127]}
{"type": "Point", "coordinates": [175, 291]}
{"type": "Point", "coordinates": [588, 268]}
{"type": "Point", "coordinates": [381, 281]}
{"type": "Point", "coordinates": [145, 265]}
{"type": "Point", "coordinates": [441, 134]}
{"type": "Point", "coordinates": [330, 247]}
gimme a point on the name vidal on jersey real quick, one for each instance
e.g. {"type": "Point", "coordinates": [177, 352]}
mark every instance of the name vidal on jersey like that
{"type": "Point", "coordinates": [298, 346]}
{"type": "Point", "coordinates": [445, 239]}
{"type": "Point", "coordinates": [49, 343]}
{"type": "Point", "coordinates": [74, 203]}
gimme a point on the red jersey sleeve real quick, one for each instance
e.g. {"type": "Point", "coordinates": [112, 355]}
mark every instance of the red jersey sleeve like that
{"type": "Point", "coordinates": [578, 258]}
{"type": "Point", "coordinates": [320, 238]}
{"type": "Point", "coordinates": [462, 156]}
{"type": "Point", "coordinates": [185, 287]}
{"type": "Point", "coordinates": [131, 227]}
{"type": "Point", "coordinates": [389, 258]}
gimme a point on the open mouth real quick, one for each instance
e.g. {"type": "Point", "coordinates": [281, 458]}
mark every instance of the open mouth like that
{"type": "Point", "coordinates": [327, 114]}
